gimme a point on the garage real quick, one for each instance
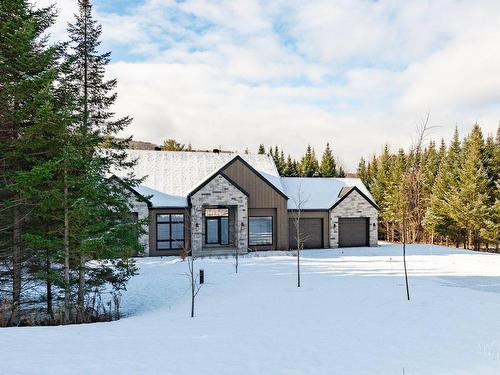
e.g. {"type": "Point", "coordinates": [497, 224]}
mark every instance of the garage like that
{"type": "Point", "coordinates": [312, 233]}
{"type": "Point", "coordinates": [353, 232]}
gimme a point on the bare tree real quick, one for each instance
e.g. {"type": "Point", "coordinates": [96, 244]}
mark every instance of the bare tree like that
{"type": "Point", "coordinates": [299, 201]}
{"type": "Point", "coordinates": [412, 188]}
{"type": "Point", "coordinates": [193, 276]}
{"type": "Point", "coordinates": [242, 228]}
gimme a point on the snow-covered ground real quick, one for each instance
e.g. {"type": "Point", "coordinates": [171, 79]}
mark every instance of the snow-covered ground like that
{"type": "Point", "coordinates": [350, 316]}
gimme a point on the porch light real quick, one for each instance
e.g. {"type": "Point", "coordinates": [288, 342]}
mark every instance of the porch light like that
{"type": "Point", "coordinates": [374, 225]}
{"type": "Point", "coordinates": [334, 225]}
{"type": "Point", "coordinates": [242, 224]}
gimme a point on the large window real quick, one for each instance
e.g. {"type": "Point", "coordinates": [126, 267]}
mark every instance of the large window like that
{"type": "Point", "coordinates": [169, 231]}
{"type": "Point", "coordinates": [260, 230]}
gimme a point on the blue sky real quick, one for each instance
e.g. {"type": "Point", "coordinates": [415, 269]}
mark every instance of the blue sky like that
{"type": "Point", "coordinates": [354, 73]}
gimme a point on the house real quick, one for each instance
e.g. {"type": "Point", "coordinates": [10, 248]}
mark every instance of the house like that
{"type": "Point", "coordinates": [218, 203]}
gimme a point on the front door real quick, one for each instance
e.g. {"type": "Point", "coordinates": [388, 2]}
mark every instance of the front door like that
{"type": "Point", "coordinates": [217, 230]}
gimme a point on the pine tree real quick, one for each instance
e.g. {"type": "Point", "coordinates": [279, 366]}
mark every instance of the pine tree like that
{"type": "Point", "coordinates": [288, 171]}
{"type": "Point", "coordinates": [362, 171]}
{"type": "Point", "coordinates": [261, 150]}
{"type": "Point", "coordinates": [27, 72]}
{"type": "Point", "coordinates": [97, 217]}
{"type": "Point", "coordinates": [328, 167]}
{"type": "Point", "coordinates": [308, 163]}
{"type": "Point", "coordinates": [468, 203]}
{"type": "Point", "coordinates": [393, 197]}
{"type": "Point", "coordinates": [341, 172]}
{"type": "Point", "coordinates": [172, 145]}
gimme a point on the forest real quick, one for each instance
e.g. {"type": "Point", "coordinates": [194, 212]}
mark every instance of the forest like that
{"type": "Point", "coordinates": [66, 231]}
{"type": "Point", "coordinates": [439, 193]}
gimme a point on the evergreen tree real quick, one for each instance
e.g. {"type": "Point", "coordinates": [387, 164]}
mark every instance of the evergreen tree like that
{"type": "Point", "coordinates": [491, 231]}
{"type": "Point", "coordinates": [27, 72]}
{"type": "Point", "coordinates": [328, 167]}
{"type": "Point", "coordinates": [393, 197]}
{"type": "Point", "coordinates": [282, 163]}
{"type": "Point", "coordinates": [341, 172]}
{"type": "Point", "coordinates": [97, 213]}
{"type": "Point", "coordinates": [309, 163]}
{"type": "Point", "coordinates": [469, 201]}
{"type": "Point", "coordinates": [172, 145]}
{"type": "Point", "coordinates": [362, 172]}
{"type": "Point", "coordinates": [289, 170]}
{"type": "Point", "coordinates": [261, 150]}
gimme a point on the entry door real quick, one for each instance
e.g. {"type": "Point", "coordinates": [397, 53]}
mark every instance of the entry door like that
{"type": "Point", "coordinates": [217, 231]}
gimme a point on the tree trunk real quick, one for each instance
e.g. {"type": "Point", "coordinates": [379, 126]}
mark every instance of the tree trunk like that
{"type": "Point", "coordinates": [298, 250]}
{"type": "Point", "coordinates": [81, 288]}
{"type": "Point", "coordinates": [192, 286]}
{"type": "Point", "coordinates": [48, 266]}
{"type": "Point", "coordinates": [67, 291]}
{"type": "Point", "coordinates": [16, 267]}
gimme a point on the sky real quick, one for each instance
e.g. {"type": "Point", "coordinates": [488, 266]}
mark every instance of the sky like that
{"type": "Point", "coordinates": [354, 73]}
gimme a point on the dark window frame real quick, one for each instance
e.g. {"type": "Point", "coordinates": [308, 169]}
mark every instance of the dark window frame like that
{"type": "Point", "coordinates": [272, 230]}
{"type": "Point", "coordinates": [219, 230]}
{"type": "Point", "coordinates": [171, 240]}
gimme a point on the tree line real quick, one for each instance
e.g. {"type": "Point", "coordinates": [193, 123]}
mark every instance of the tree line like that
{"type": "Point", "coordinates": [307, 166]}
{"type": "Point", "coordinates": [452, 197]}
{"type": "Point", "coordinates": [66, 230]}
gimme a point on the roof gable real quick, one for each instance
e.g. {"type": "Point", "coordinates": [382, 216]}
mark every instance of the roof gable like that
{"type": "Point", "coordinates": [321, 193]}
{"type": "Point", "coordinates": [347, 193]}
{"type": "Point", "coordinates": [273, 181]}
{"type": "Point", "coordinates": [217, 173]}
{"type": "Point", "coordinates": [177, 173]}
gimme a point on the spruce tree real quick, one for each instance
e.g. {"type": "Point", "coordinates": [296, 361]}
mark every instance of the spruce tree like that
{"type": "Point", "coordinates": [362, 171]}
{"type": "Point", "coordinates": [27, 73]}
{"type": "Point", "coordinates": [97, 210]}
{"type": "Point", "coordinates": [328, 167]}
{"type": "Point", "coordinates": [341, 172]}
{"type": "Point", "coordinates": [309, 163]}
{"type": "Point", "coordinates": [261, 150]}
{"type": "Point", "coordinates": [469, 201]}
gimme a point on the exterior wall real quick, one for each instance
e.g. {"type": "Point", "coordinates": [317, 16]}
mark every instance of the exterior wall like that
{"type": "Point", "coordinates": [262, 196]}
{"type": "Point", "coordinates": [153, 251]}
{"type": "Point", "coordinates": [265, 212]}
{"type": "Point", "coordinates": [141, 208]}
{"type": "Point", "coordinates": [354, 205]}
{"type": "Point", "coordinates": [218, 192]}
{"type": "Point", "coordinates": [315, 215]}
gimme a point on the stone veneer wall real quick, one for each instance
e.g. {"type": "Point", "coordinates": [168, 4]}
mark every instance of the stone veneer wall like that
{"type": "Point", "coordinates": [142, 210]}
{"type": "Point", "coordinates": [218, 192]}
{"type": "Point", "coordinates": [354, 206]}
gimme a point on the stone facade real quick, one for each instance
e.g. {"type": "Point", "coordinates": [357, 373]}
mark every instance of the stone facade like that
{"type": "Point", "coordinates": [219, 192]}
{"type": "Point", "coordinates": [141, 208]}
{"type": "Point", "coordinates": [354, 205]}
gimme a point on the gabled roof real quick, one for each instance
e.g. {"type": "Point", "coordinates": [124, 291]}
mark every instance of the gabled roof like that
{"type": "Point", "coordinates": [171, 175]}
{"type": "Point", "coordinates": [217, 173]}
{"type": "Point", "coordinates": [322, 193]}
{"type": "Point", "coordinates": [346, 193]}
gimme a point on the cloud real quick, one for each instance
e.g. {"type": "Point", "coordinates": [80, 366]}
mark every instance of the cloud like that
{"type": "Point", "coordinates": [288, 72]}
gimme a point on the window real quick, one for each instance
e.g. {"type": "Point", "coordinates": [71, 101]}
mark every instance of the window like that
{"type": "Point", "coordinates": [216, 212]}
{"type": "Point", "coordinates": [169, 231]}
{"type": "Point", "coordinates": [260, 230]}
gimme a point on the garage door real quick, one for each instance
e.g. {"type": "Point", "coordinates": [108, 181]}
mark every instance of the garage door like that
{"type": "Point", "coordinates": [312, 233]}
{"type": "Point", "coordinates": [353, 232]}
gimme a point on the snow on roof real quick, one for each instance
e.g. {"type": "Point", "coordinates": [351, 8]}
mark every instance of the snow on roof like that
{"type": "Point", "coordinates": [159, 199]}
{"type": "Point", "coordinates": [172, 175]}
{"type": "Point", "coordinates": [319, 193]}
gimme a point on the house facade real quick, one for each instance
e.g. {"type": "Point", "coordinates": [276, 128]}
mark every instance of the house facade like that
{"type": "Point", "coordinates": [219, 203]}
